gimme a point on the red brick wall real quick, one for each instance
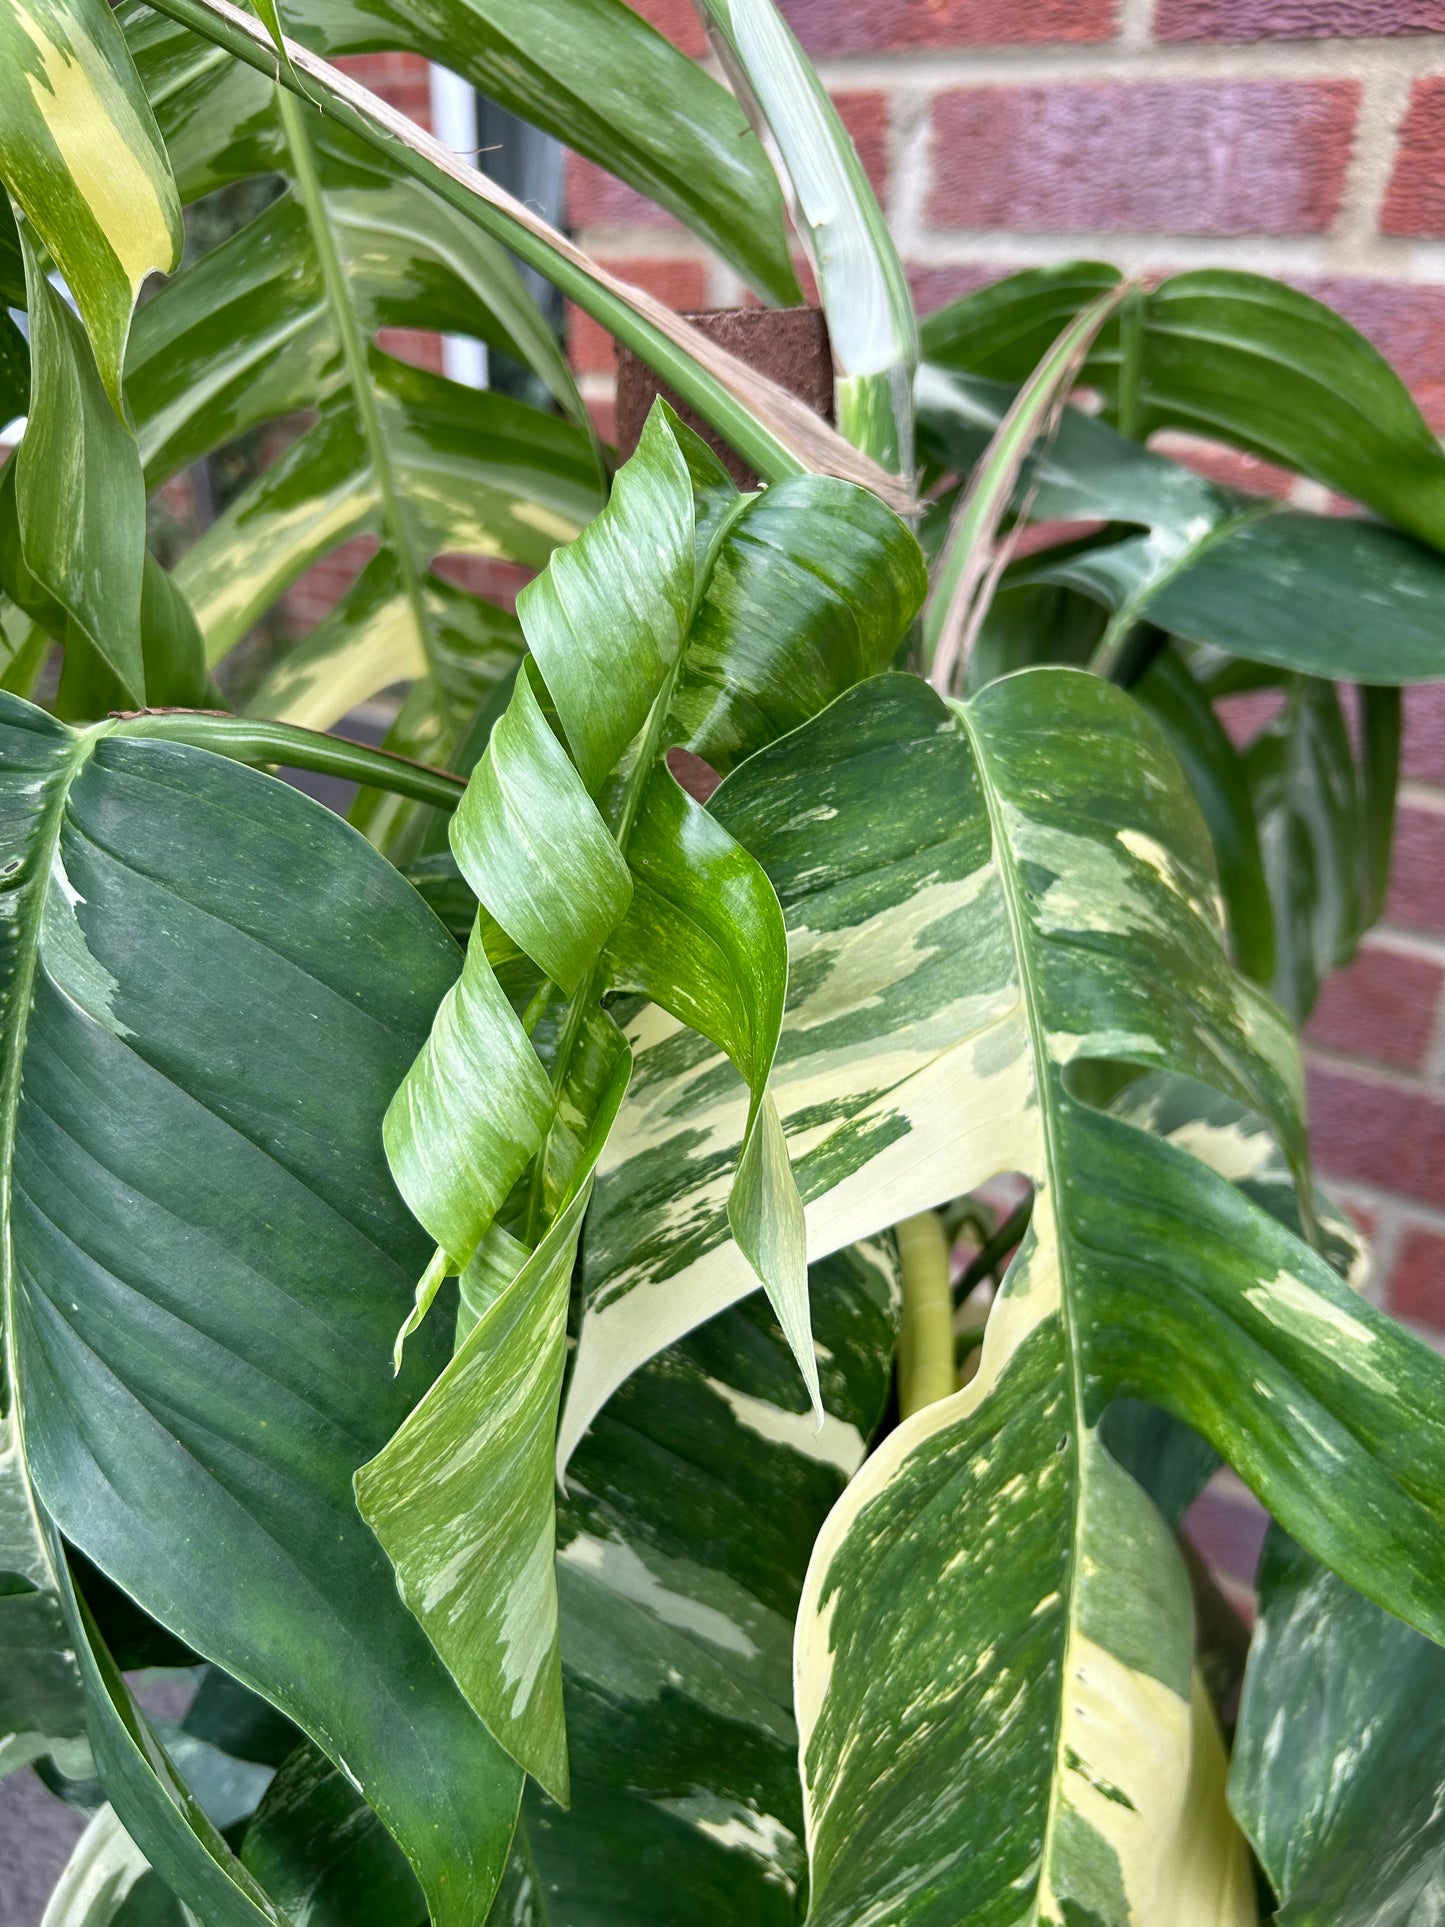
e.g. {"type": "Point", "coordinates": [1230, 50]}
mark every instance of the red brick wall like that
{"type": "Point", "coordinates": [1304, 138]}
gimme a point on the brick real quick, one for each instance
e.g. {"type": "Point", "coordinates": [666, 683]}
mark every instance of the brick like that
{"type": "Point", "coordinates": [403, 80]}
{"type": "Point", "coordinates": [1294, 19]}
{"type": "Point", "coordinates": [1423, 751]}
{"type": "Point", "coordinates": [880, 26]}
{"type": "Point", "coordinates": [1228, 157]}
{"type": "Point", "coordinates": [1416, 1287]}
{"type": "Point", "coordinates": [678, 20]}
{"type": "Point", "coordinates": [317, 592]}
{"type": "Point", "coordinates": [1406, 324]}
{"type": "Point", "coordinates": [596, 198]}
{"type": "Point", "coordinates": [499, 582]}
{"type": "Point", "coordinates": [681, 284]}
{"type": "Point", "coordinates": [1376, 1131]}
{"type": "Point", "coordinates": [416, 345]}
{"type": "Point", "coordinates": [1417, 878]}
{"type": "Point", "coordinates": [1415, 198]}
{"type": "Point", "coordinates": [1229, 467]}
{"type": "Point", "coordinates": [864, 112]}
{"type": "Point", "coordinates": [1227, 1529]}
{"type": "Point", "coordinates": [1381, 1008]}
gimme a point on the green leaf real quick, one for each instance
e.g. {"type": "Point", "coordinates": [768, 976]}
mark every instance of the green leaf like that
{"type": "Point", "coordinates": [1301, 770]}
{"type": "Point", "coordinates": [318, 1848]}
{"type": "Point", "coordinates": [1324, 594]}
{"type": "Point", "coordinates": [861, 283]}
{"type": "Point", "coordinates": [1236, 358]}
{"type": "Point", "coordinates": [40, 1690]}
{"type": "Point", "coordinates": [596, 873]}
{"type": "Point", "coordinates": [81, 155]}
{"type": "Point", "coordinates": [684, 1535]}
{"type": "Point", "coordinates": [604, 82]}
{"type": "Point", "coordinates": [462, 1497]}
{"type": "Point", "coordinates": [79, 497]}
{"type": "Point", "coordinates": [1007, 327]}
{"type": "Point", "coordinates": [1218, 777]}
{"type": "Point", "coordinates": [284, 317]}
{"type": "Point", "coordinates": [163, 904]}
{"type": "Point", "coordinates": [1339, 1761]}
{"type": "Point", "coordinates": [975, 919]}
{"type": "Point", "coordinates": [771, 429]}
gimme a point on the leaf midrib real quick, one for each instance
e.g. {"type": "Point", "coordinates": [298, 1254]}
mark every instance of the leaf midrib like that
{"type": "Point", "coordinates": [354, 353]}
{"type": "Point", "coordinates": [1012, 890]}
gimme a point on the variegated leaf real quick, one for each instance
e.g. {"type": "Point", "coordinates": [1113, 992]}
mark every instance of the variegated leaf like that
{"type": "Point", "coordinates": [81, 154]}
{"type": "Point", "coordinates": [1338, 1770]}
{"type": "Point", "coordinates": [995, 1646]}
{"type": "Point", "coordinates": [596, 873]}
{"type": "Point", "coordinates": [683, 1536]}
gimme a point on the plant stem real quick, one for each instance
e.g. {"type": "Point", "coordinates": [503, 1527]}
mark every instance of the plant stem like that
{"type": "Point", "coordinates": [997, 1247]}
{"type": "Point", "coordinates": [246, 740]}
{"type": "Point", "coordinates": [925, 1346]}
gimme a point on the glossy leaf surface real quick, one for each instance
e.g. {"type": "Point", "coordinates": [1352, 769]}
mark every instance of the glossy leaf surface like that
{"type": "Point", "coordinates": [165, 905]}
{"type": "Point", "coordinates": [1339, 1759]}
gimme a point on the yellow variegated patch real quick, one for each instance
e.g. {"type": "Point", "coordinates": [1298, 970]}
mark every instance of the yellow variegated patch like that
{"type": "Point", "coordinates": [81, 155]}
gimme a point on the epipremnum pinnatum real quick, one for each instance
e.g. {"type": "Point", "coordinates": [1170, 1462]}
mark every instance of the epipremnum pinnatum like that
{"type": "Point", "coordinates": [486, 1287]}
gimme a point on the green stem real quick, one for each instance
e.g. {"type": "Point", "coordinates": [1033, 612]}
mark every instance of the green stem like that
{"type": "Point", "coordinates": [997, 1247]}
{"type": "Point", "coordinates": [925, 1345]}
{"type": "Point", "coordinates": [246, 740]}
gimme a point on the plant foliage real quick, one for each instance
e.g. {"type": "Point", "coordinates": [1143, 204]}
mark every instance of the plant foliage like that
{"type": "Point", "coordinates": [486, 1299]}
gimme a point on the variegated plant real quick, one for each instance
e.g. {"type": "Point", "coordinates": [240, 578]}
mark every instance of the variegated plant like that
{"type": "Point", "coordinates": [487, 1302]}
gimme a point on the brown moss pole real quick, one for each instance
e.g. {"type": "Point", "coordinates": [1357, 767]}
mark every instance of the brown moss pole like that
{"type": "Point", "coordinates": [789, 344]}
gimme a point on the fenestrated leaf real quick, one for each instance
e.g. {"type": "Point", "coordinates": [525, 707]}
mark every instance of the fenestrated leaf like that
{"type": "Point", "coordinates": [982, 1730]}
{"type": "Point", "coordinates": [861, 283]}
{"type": "Point", "coordinates": [1339, 1758]}
{"type": "Point", "coordinates": [81, 154]}
{"type": "Point", "coordinates": [283, 317]}
{"type": "Point", "coordinates": [684, 1535]}
{"type": "Point", "coordinates": [199, 956]}
{"type": "Point", "coordinates": [589, 860]}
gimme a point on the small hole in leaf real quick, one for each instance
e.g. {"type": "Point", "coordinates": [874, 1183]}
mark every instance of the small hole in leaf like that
{"type": "Point", "coordinates": [11, 867]}
{"type": "Point", "coordinates": [1063, 1444]}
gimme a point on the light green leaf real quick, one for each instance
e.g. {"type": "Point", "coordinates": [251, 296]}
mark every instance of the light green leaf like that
{"type": "Point", "coordinates": [462, 1496]}
{"type": "Point", "coordinates": [164, 904]}
{"type": "Point", "coordinates": [861, 282]}
{"type": "Point", "coordinates": [80, 153]}
{"type": "Point", "coordinates": [98, 1878]}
